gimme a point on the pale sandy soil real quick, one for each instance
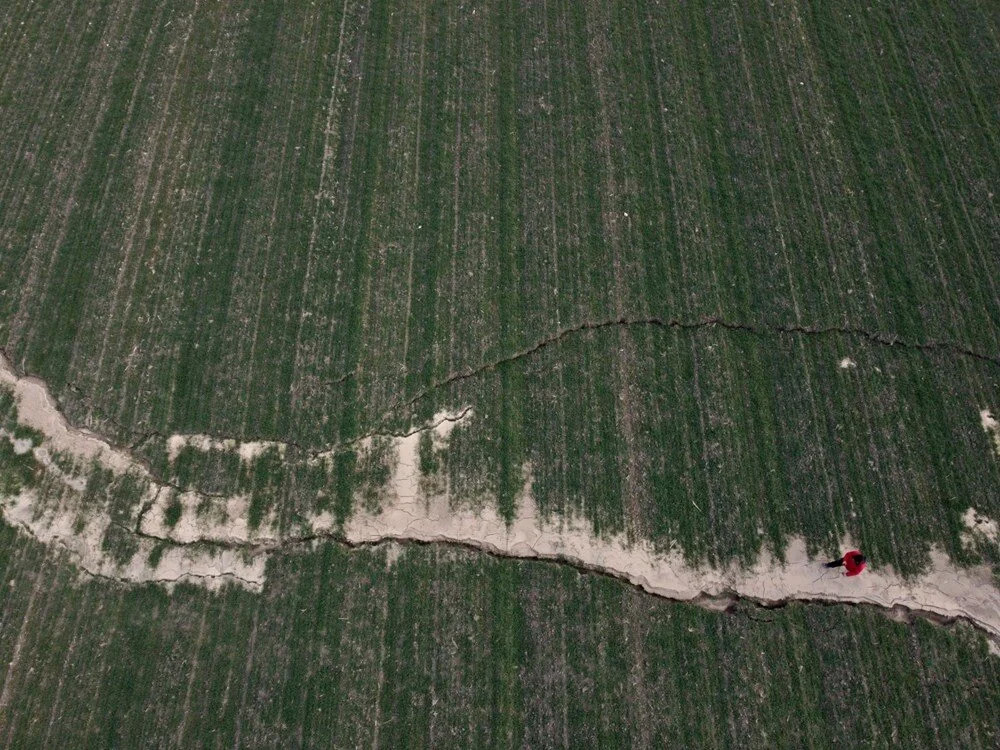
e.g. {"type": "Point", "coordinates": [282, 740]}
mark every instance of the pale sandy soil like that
{"type": "Point", "coordinates": [37, 409]}
{"type": "Point", "coordinates": [22, 446]}
{"type": "Point", "coordinates": [226, 523]}
{"type": "Point", "coordinates": [248, 451]}
{"type": "Point", "coordinates": [57, 528]}
{"type": "Point", "coordinates": [991, 426]}
{"type": "Point", "coordinates": [945, 590]}
{"type": "Point", "coordinates": [410, 514]}
{"type": "Point", "coordinates": [979, 528]}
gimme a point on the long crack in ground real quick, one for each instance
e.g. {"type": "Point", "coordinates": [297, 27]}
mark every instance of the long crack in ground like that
{"type": "Point", "coordinates": [140, 437]}
{"type": "Point", "coordinates": [214, 552]}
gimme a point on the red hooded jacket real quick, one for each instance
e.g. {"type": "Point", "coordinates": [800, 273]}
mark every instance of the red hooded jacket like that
{"type": "Point", "coordinates": [853, 568]}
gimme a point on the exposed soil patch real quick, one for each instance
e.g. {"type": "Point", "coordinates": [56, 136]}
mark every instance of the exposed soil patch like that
{"type": "Point", "coordinates": [220, 548]}
{"type": "Point", "coordinates": [61, 529]}
{"type": "Point", "coordinates": [946, 590]}
{"type": "Point", "coordinates": [991, 426]}
{"type": "Point", "coordinates": [38, 410]}
{"type": "Point", "coordinates": [81, 535]}
{"type": "Point", "coordinates": [979, 527]}
{"type": "Point", "coordinates": [248, 450]}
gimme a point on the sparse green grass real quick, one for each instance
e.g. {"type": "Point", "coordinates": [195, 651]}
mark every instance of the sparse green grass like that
{"type": "Point", "coordinates": [173, 512]}
{"type": "Point", "coordinates": [17, 472]}
{"type": "Point", "coordinates": [429, 463]}
{"type": "Point", "coordinates": [155, 555]}
{"type": "Point", "coordinates": [124, 497]}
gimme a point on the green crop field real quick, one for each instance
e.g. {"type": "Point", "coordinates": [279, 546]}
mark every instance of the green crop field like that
{"type": "Point", "coordinates": [457, 649]}
{"type": "Point", "coordinates": [709, 275]}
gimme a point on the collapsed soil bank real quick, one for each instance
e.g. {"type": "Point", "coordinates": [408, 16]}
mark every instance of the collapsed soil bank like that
{"type": "Point", "coordinates": [209, 551]}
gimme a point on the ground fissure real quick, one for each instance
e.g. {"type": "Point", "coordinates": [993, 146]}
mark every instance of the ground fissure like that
{"type": "Point", "coordinates": [947, 593]}
{"type": "Point", "coordinates": [892, 340]}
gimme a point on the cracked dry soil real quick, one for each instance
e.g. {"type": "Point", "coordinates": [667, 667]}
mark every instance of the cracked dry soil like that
{"type": "Point", "coordinates": [220, 552]}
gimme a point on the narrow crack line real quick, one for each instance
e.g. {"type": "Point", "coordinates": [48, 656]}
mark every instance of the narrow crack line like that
{"type": "Point", "coordinates": [727, 597]}
{"type": "Point", "coordinates": [60, 542]}
{"type": "Point", "coordinates": [140, 437]}
{"type": "Point", "coordinates": [144, 436]}
{"type": "Point", "coordinates": [315, 453]}
{"type": "Point", "coordinates": [726, 600]}
{"type": "Point", "coordinates": [145, 467]}
{"type": "Point", "coordinates": [146, 507]}
{"type": "Point", "coordinates": [340, 380]}
{"type": "Point", "coordinates": [248, 582]}
{"type": "Point", "coordinates": [882, 339]}
{"type": "Point", "coordinates": [405, 434]}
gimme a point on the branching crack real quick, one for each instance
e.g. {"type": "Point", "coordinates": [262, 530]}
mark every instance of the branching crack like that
{"type": "Point", "coordinates": [313, 453]}
{"type": "Point", "coordinates": [68, 550]}
{"type": "Point", "coordinates": [726, 599]}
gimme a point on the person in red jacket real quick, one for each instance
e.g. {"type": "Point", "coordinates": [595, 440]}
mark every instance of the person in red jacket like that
{"type": "Point", "coordinates": [853, 561]}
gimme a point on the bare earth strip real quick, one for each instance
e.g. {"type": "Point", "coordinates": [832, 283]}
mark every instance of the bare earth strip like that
{"type": "Point", "coordinates": [216, 551]}
{"type": "Point", "coordinates": [38, 410]}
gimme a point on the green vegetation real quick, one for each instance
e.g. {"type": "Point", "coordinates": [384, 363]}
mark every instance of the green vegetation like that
{"type": "Point", "coordinates": [155, 555]}
{"type": "Point", "coordinates": [300, 234]}
{"type": "Point", "coordinates": [20, 432]}
{"type": "Point", "coordinates": [124, 499]}
{"type": "Point", "coordinates": [455, 649]}
{"type": "Point", "coordinates": [17, 471]}
{"type": "Point", "coordinates": [429, 463]}
{"type": "Point", "coordinates": [173, 512]}
{"type": "Point", "coordinates": [324, 223]}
